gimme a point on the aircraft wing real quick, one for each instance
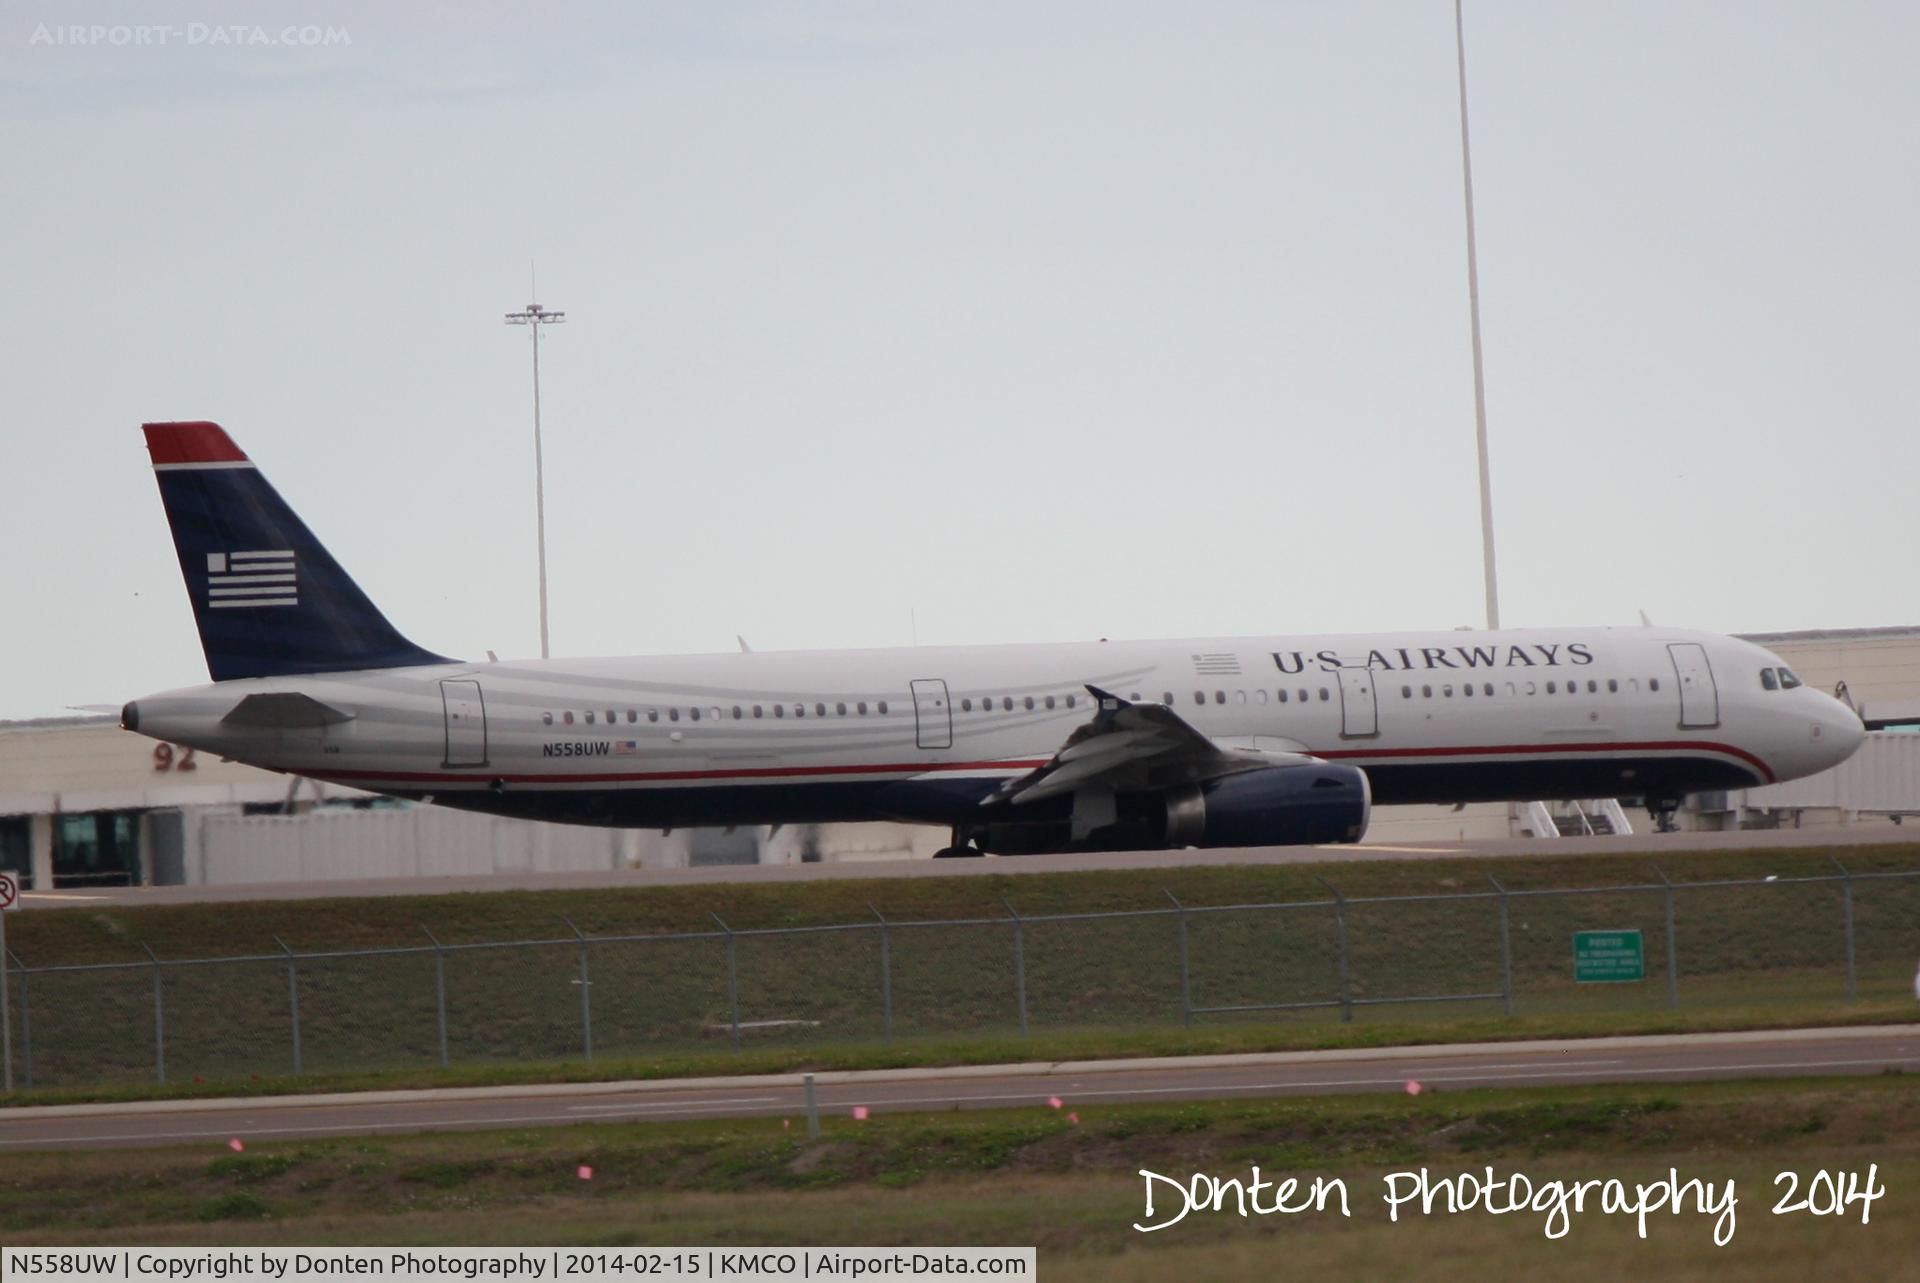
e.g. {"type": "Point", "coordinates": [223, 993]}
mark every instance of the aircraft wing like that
{"type": "Point", "coordinates": [1136, 748]}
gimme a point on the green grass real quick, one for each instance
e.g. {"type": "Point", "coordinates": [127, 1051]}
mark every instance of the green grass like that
{"type": "Point", "coordinates": [1034, 1177]}
{"type": "Point", "coordinates": [1110, 986]}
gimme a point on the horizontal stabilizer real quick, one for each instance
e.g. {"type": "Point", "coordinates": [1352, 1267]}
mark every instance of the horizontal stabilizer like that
{"type": "Point", "coordinates": [284, 710]}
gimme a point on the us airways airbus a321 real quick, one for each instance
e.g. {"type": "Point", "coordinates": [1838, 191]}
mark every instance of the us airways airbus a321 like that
{"type": "Point", "coordinates": [1015, 749]}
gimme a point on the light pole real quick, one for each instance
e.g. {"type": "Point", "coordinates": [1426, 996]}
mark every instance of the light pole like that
{"type": "Point", "coordinates": [1473, 311]}
{"type": "Point", "coordinates": [534, 317]}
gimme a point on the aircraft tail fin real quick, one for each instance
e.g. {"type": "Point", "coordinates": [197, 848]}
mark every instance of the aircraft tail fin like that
{"type": "Point", "coordinates": [269, 599]}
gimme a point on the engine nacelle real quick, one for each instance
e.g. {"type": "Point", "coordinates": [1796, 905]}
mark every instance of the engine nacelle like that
{"type": "Point", "coordinates": [1271, 806]}
{"type": "Point", "coordinates": [1274, 806]}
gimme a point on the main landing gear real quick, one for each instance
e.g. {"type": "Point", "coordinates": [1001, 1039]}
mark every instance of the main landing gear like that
{"type": "Point", "coordinates": [960, 850]}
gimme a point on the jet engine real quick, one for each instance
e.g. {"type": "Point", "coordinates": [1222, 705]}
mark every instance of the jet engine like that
{"type": "Point", "coordinates": [1271, 806]}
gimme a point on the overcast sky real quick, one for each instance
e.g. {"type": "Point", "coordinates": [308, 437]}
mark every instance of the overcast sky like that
{"type": "Point", "coordinates": [975, 322]}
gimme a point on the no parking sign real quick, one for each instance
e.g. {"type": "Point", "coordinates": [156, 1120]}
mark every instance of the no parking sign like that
{"type": "Point", "coordinates": [9, 891]}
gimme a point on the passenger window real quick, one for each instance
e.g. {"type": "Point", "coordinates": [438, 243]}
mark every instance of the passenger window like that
{"type": "Point", "coordinates": [1787, 680]}
{"type": "Point", "coordinates": [1653, 683]}
{"type": "Point", "coordinates": [1406, 692]}
{"type": "Point", "coordinates": [1487, 689]}
{"type": "Point", "coordinates": [1633, 685]}
{"type": "Point", "coordinates": [1426, 692]}
{"type": "Point", "coordinates": [1466, 689]}
{"type": "Point", "coordinates": [589, 717]}
{"type": "Point", "coordinates": [1447, 690]}
{"type": "Point", "coordinates": [1006, 703]}
{"type": "Point", "coordinates": [653, 715]}
{"type": "Point", "coordinates": [820, 710]}
{"type": "Point", "coordinates": [1070, 699]}
{"type": "Point", "coordinates": [1219, 697]}
{"type": "Point", "coordinates": [758, 711]}
{"type": "Point", "coordinates": [799, 710]}
{"type": "Point", "coordinates": [1199, 697]}
{"type": "Point", "coordinates": [840, 709]}
{"type": "Point", "coordinates": [611, 719]}
{"type": "Point", "coordinates": [1166, 697]}
{"type": "Point", "coordinates": [1304, 695]}
{"type": "Point", "coordinates": [1552, 689]}
{"type": "Point", "coordinates": [1613, 685]}
{"type": "Point", "coordinates": [1029, 703]}
{"type": "Point", "coordinates": [1593, 687]}
{"type": "Point", "coordinates": [1283, 697]}
{"type": "Point", "coordinates": [1512, 689]}
{"type": "Point", "coordinates": [1533, 688]}
{"type": "Point", "coordinates": [1049, 701]}
{"type": "Point", "coordinates": [737, 713]}
{"type": "Point", "coordinates": [883, 706]}
{"type": "Point", "coordinates": [1260, 696]}
{"type": "Point", "coordinates": [966, 705]}
{"type": "Point", "coordinates": [862, 707]}
{"type": "Point", "coordinates": [567, 718]}
{"type": "Point", "coordinates": [546, 719]}
{"type": "Point", "coordinates": [779, 710]}
{"type": "Point", "coordinates": [1325, 695]}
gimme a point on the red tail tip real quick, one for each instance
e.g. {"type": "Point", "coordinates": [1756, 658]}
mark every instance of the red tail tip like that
{"type": "Point", "coordinates": [191, 443]}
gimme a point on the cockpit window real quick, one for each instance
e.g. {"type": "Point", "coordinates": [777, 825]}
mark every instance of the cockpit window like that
{"type": "Point", "coordinates": [1787, 680]}
{"type": "Point", "coordinates": [1767, 680]}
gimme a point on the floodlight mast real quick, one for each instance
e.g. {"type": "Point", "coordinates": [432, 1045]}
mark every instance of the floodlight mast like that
{"type": "Point", "coordinates": [1473, 310]}
{"type": "Point", "coordinates": [534, 317]}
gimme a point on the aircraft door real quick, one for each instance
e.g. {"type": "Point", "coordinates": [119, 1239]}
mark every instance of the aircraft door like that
{"type": "Point", "coordinates": [1359, 710]}
{"type": "Point", "coordinates": [466, 714]}
{"type": "Point", "coordinates": [1699, 696]}
{"type": "Point", "coordinates": [932, 713]}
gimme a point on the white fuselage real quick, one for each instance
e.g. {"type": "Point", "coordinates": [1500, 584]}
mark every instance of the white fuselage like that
{"type": "Point", "coordinates": [922, 734]}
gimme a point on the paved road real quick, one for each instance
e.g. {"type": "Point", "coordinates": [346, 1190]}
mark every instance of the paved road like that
{"type": "Point", "coordinates": [1638, 847]}
{"type": "Point", "coordinates": [1081, 1085]}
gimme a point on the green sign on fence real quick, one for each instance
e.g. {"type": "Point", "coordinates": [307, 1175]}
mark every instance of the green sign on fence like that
{"type": "Point", "coordinates": [1608, 956]}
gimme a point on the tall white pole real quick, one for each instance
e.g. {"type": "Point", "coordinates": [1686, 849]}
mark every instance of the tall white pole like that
{"type": "Point", "coordinates": [534, 317]}
{"type": "Point", "coordinates": [1473, 310]}
{"type": "Point", "coordinates": [540, 492]}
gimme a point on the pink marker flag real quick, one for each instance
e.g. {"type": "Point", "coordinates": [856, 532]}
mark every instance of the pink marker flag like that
{"type": "Point", "coordinates": [1413, 1088]}
{"type": "Point", "coordinates": [235, 1145]}
{"type": "Point", "coordinates": [585, 1173]}
{"type": "Point", "coordinates": [1055, 1101]}
{"type": "Point", "coordinates": [786, 1124]}
{"type": "Point", "coordinates": [1074, 1119]}
{"type": "Point", "coordinates": [860, 1112]}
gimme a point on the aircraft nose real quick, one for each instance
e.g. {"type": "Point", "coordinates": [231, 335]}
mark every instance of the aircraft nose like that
{"type": "Point", "coordinates": [1840, 732]}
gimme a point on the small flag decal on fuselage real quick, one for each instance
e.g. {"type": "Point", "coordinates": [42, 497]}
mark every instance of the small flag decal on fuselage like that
{"type": "Point", "coordinates": [251, 579]}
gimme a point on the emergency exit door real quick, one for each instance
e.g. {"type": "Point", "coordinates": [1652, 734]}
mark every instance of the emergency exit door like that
{"type": "Point", "coordinates": [466, 713]}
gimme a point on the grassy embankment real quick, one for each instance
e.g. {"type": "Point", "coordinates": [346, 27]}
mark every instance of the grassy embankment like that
{"type": "Point", "coordinates": [1107, 987]}
{"type": "Point", "coordinates": [1035, 1177]}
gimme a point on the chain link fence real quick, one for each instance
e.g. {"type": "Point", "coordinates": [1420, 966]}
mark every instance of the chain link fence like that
{"type": "Point", "coordinates": [1483, 950]}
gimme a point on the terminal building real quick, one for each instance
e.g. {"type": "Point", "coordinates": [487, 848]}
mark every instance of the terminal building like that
{"type": "Point", "coordinates": [83, 803]}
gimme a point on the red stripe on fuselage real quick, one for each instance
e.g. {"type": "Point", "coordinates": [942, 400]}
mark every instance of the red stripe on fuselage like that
{"type": "Point", "coordinates": [919, 768]}
{"type": "Point", "coordinates": [177, 443]}
{"type": "Point", "coordinates": [1508, 750]}
{"type": "Point", "coordinates": [636, 777]}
